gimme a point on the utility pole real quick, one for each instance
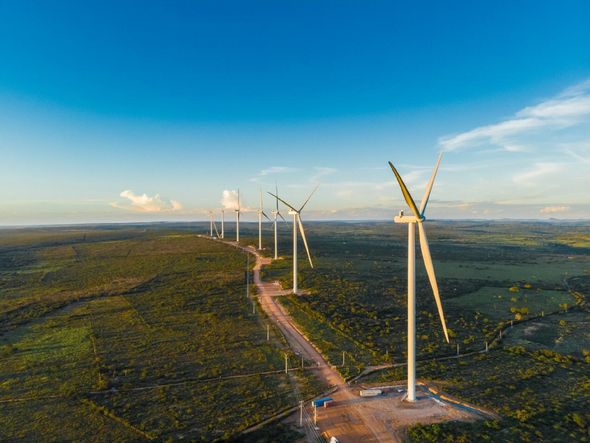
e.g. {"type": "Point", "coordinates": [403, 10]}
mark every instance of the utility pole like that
{"type": "Point", "coordinates": [286, 364]}
{"type": "Point", "coordinates": [247, 275]}
{"type": "Point", "coordinates": [343, 358]}
{"type": "Point", "coordinates": [301, 414]}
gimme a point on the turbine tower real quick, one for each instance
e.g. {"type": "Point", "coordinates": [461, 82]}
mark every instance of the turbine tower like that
{"type": "Point", "coordinates": [222, 223]}
{"type": "Point", "coordinates": [296, 213]}
{"type": "Point", "coordinates": [413, 220]}
{"type": "Point", "coordinates": [238, 219]}
{"type": "Point", "coordinates": [276, 213]}
{"type": "Point", "coordinates": [210, 223]}
{"type": "Point", "coordinates": [260, 214]}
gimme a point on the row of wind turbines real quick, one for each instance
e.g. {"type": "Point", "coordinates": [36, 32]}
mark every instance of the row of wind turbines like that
{"type": "Point", "coordinates": [417, 218]}
{"type": "Point", "coordinates": [276, 213]}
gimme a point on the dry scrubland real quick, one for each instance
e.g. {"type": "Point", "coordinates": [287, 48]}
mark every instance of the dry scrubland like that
{"type": "Point", "coordinates": [126, 334]}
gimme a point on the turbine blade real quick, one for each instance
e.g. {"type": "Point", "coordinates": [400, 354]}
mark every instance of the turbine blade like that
{"type": "Point", "coordinates": [277, 193]}
{"type": "Point", "coordinates": [279, 198]}
{"type": "Point", "coordinates": [281, 215]}
{"type": "Point", "coordinates": [429, 186]}
{"type": "Point", "coordinates": [304, 239]}
{"type": "Point", "coordinates": [430, 271]}
{"type": "Point", "coordinates": [267, 217]}
{"type": "Point", "coordinates": [405, 192]}
{"type": "Point", "coordinates": [312, 192]}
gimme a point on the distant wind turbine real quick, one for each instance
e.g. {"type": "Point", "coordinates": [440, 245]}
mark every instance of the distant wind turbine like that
{"type": "Point", "coordinates": [211, 223]}
{"type": "Point", "coordinates": [222, 223]}
{"type": "Point", "coordinates": [297, 223]}
{"type": "Point", "coordinates": [413, 220]}
{"type": "Point", "coordinates": [260, 214]}
{"type": "Point", "coordinates": [276, 213]}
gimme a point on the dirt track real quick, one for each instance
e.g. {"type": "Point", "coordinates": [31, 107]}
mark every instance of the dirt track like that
{"type": "Point", "coordinates": [351, 424]}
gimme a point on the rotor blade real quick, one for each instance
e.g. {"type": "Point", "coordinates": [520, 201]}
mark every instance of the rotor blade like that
{"type": "Point", "coordinates": [430, 271]}
{"type": "Point", "coordinates": [405, 192]}
{"type": "Point", "coordinates": [281, 215]}
{"type": "Point", "coordinates": [312, 192]}
{"type": "Point", "coordinates": [279, 198]}
{"type": "Point", "coordinates": [429, 186]}
{"type": "Point", "coordinates": [277, 193]}
{"type": "Point", "coordinates": [304, 239]}
{"type": "Point", "coordinates": [238, 199]}
{"type": "Point", "coordinates": [267, 217]}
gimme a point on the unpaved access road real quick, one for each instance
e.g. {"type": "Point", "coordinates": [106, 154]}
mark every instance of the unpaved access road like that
{"type": "Point", "coordinates": [352, 423]}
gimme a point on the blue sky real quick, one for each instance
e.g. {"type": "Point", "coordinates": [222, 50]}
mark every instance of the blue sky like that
{"type": "Point", "coordinates": [132, 111]}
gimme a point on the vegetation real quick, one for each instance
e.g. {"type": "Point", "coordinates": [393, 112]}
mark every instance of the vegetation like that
{"type": "Point", "coordinates": [536, 275]}
{"type": "Point", "coordinates": [133, 333]}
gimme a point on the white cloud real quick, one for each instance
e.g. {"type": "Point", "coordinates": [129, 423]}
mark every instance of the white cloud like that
{"type": "Point", "coordinates": [567, 109]}
{"type": "Point", "coordinates": [229, 199]}
{"type": "Point", "coordinates": [272, 170]}
{"type": "Point", "coordinates": [554, 209]}
{"type": "Point", "coordinates": [321, 171]}
{"type": "Point", "coordinates": [145, 203]}
{"type": "Point", "coordinates": [539, 170]}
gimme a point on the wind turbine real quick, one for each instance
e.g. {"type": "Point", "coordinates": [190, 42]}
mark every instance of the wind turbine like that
{"type": "Point", "coordinates": [238, 219]}
{"type": "Point", "coordinates": [296, 213]}
{"type": "Point", "coordinates": [222, 223]}
{"type": "Point", "coordinates": [413, 220]}
{"type": "Point", "coordinates": [276, 213]}
{"type": "Point", "coordinates": [211, 223]}
{"type": "Point", "coordinates": [260, 214]}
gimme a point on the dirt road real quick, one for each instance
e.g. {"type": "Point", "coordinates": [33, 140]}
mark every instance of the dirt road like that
{"type": "Point", "coordinates": [351, 423]}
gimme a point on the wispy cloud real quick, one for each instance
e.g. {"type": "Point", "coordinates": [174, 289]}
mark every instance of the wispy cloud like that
{"type": "Point", "coordinates": [569, 108]}
{"type": "Point", "coordinates": [272, 170]}
{"type": "Point", "coordinates": [145, 203]}
{"type": "Point", "coordinates": [554, 209]}
{"type": "Point", "coordinates": [539, 170]}
{"type": "Point", "coordinates": [321, 171]}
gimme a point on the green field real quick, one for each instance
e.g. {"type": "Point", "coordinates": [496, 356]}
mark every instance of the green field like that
{"type": "Point", "coordinates": [126, 334]}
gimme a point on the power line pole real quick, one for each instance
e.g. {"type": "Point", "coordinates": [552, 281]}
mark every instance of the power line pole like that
{"type": "Point", "coordinates": [301, 414]}
{"type": "Point", "coordinates": [247, 274]}
{"type": "Point", "coordinates": [286, 364]}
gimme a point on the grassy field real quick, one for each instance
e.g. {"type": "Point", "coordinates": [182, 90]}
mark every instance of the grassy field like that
{"type": "Point", "coordinates": [130, 333]}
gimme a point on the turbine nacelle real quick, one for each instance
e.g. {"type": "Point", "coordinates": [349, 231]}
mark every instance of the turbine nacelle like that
{"type": "Point", "coordinates": [401, 218]}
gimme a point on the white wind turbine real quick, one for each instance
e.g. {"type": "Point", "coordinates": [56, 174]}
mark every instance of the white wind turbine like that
{"type": "Point", "coordinates": [276, 213]}
{"type": "Point", "coordinates": [238, 219]}
{"type": "Point", "coordinates": [296, 213]}
{"type": "Point", "coordinates": [210, 223]}
{"type": "Point", "coordinates": [413, 220]}
{"type": "Point", "coordinates": [222, 223]}
{"type": "Point", "coordinates": [260, 214]}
